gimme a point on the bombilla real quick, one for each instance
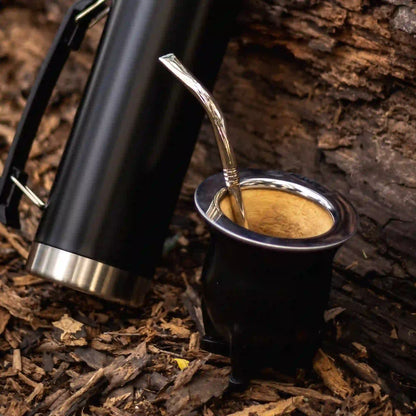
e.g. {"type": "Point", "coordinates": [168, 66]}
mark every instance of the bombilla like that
{"type": "Point", "coordinates": [217, 119]}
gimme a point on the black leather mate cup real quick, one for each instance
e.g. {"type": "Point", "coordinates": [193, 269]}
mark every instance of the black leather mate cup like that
{"type": "Point", "coordinates": [264, 297]}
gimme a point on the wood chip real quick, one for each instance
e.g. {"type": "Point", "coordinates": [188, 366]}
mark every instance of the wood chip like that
{"type": "Point", "coordinates": [63, 366]}
{"type": "Point", "coordinates": [80, 398]}
{"type": "Point", "coordinates": [17, 360]}
{"type": "Point", "coordinates": [298, 391]}
{"type": "Point", "coordinates": [65, 395]}
{"type": "Point", "coordinates": [203, 387]}
{"type": "Point", "coordinates": [362, 350]}
{"type": "Point", "coordinates": [13, 241]}
{"type": "Point", "coordinates": [72, 332]}
{"type": "Point", "coordinates": [194, 342]}
{"type": "Point", "coordinates": [98, 411]}
{"type": "Point", "coordinates": [102, 346]}
{"type": "Point", "coordinates": [32, 370]}
{"type": "Point", "coordinates": [307, 410]}
{"type": "Point", "coordinates": [175, 327]}
{"type": "Point", "coordinates": [17, 408]}
{"type": "Point", "coordinates": [10, 372]}
{"type": "Point", "coordinates": [37, 393]}
{"type": "Point", "coordinates": [261, 392]}
{"type": "Point", "coordinates": [27, 380]}
{"type": "Point", "coordinates": [282, 407]}
{"type": "Point", "coordinates": [13, 338]}
{"type": "Point", "coordinates": [185, 376]}
{"type": "Point", "coordinates": [68, 325]}
{"type": "Point", "coordinates": [332, 313]}
{"type": "Point", "coordinates": [7, 132]}
{"type": "Point", "coordinates": [331, 375]}
{"type": "Point", "coordinates": [4, 320]}
{"type": "Point", "coordinates": [121, 370]}
{"type": "Point", "coordinates": [118, 397]}
{"type": "Point", "coordinates": [115, 411]}
{"type": "Point", "coordinates": [17, 306]}
{"type": "Point", "coordinates": [91, 357]}
{"type": "Point", "coordinates": [364, 371]}
{"type": "Point", "coordinates": [27, 280]}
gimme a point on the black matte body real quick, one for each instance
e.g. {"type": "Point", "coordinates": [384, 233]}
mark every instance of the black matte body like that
{"type": "Point", "coordinates": [264, 307]}
{"type": "Point", "coordinates": [123, 166]}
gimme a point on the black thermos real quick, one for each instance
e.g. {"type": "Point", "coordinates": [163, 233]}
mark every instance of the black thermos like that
{"type": "Point", "coordinates": [103, 227]}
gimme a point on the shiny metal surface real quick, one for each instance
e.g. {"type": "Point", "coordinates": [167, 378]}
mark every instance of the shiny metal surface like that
{"type": "Point", "coordinates": [211, 191]}
{"type": "Point", "coordinates": [217, 119]}
{"type": "Point", "coordinates": [98, 4]}
{"type": "Point", "coordinates": [29, 193]}
{"type": "Point", "coordinates": [87, 275]}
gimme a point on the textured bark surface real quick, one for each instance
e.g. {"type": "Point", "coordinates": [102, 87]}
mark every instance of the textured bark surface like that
{"type": "Point", "coordinates": [327, 89]}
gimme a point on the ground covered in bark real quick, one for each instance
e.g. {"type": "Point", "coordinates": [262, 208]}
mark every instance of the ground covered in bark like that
{"type": "Point", "coordinates": [63, 352]}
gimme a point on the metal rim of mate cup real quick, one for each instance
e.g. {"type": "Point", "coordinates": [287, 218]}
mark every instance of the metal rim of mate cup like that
{"type": "Point", "coordinates": [212, 190]}
{"type": "Point", "coordinates": [230, 292]}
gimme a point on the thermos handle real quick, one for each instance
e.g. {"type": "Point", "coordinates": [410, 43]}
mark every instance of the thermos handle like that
{"type": "Point", "coordinates": [72, 31]}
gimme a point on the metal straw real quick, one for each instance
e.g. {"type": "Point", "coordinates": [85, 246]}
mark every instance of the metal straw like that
{"type": "Point", "coordinates": [217, 119]}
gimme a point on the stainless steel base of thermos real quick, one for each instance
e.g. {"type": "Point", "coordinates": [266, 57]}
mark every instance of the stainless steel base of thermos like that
{"type": "Point", "coordinates": [87, 275]}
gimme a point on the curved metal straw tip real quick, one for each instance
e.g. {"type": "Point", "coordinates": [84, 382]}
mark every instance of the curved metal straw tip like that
{"type": "Point", "coordinates": [217, 119]}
